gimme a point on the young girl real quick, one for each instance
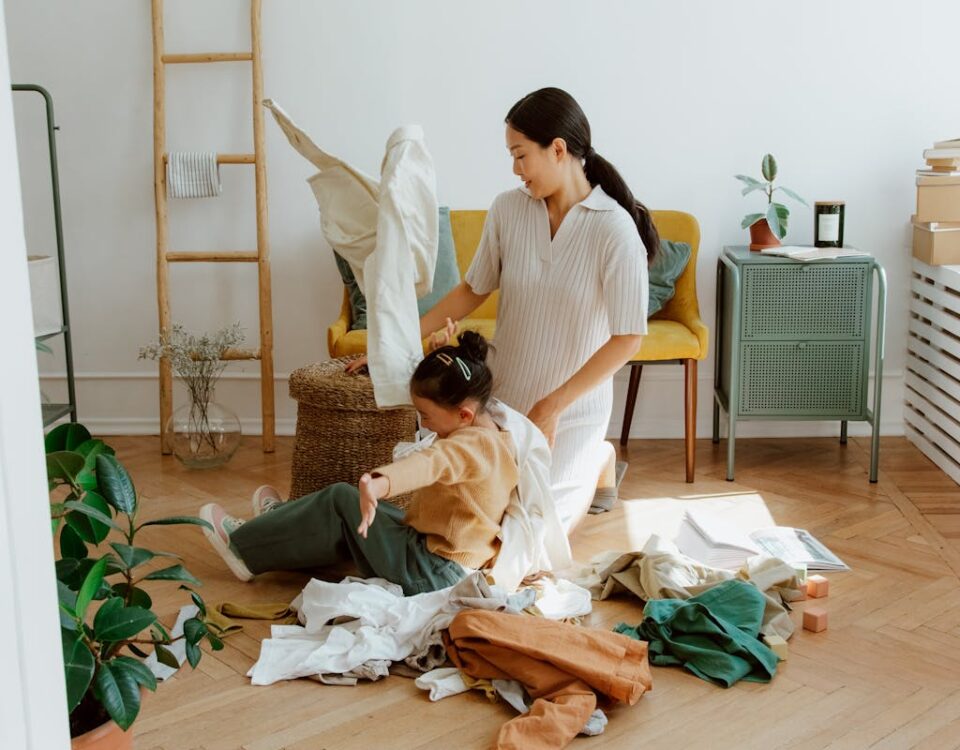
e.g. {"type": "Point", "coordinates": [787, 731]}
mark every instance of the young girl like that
{"type": "Point", "coordinates": [461, 487]}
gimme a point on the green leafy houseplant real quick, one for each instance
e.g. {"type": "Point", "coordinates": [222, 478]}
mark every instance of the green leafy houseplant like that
{"type": "Point", "coordinates": [92, 495]}
{"type": "Point", "coordinates": [777, 214]}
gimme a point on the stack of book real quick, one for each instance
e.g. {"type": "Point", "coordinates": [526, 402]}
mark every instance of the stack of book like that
{"type": "Point", "coordinates": [936, 225]}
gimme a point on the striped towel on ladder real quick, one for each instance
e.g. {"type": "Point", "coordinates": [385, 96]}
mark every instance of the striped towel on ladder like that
{"type": "Point", "coordinates": [193, 174]}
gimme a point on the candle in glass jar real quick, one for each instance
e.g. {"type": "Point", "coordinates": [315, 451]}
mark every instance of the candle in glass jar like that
{"type": "Point", "coordinates": [828, 223]}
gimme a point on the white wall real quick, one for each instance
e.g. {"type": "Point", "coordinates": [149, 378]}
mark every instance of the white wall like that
{"type": "Point", "coordinates": [681, 96]}
{"type": "Point", "coordinates": [33, 697]}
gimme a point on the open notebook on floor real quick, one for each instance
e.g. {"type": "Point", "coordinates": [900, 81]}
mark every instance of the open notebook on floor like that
{"type": "Point", "coordinates": [716, 542]}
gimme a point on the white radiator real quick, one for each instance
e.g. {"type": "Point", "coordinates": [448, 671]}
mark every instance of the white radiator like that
{"type": "Point", "coordinates": [932, 392]}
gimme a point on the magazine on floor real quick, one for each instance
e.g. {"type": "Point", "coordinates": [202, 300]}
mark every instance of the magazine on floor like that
{"type": "Point", "coordinates": [714, 541]}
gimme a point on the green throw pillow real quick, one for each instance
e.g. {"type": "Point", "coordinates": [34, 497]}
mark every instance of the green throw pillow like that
{"type": "Point", "coordinates": [446, 275]}
{"type": "Point", "coordinates": [664, 272]}
{"type": "Point", "coordinates": [358, 304]}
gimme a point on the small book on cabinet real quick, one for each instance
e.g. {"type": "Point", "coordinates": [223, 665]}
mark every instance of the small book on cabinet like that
{"type": "Point", "coordinates": [807, 254]}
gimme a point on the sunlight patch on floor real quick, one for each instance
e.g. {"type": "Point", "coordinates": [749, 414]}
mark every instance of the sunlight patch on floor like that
{"type": "Point", "coordinates": [663, 515]}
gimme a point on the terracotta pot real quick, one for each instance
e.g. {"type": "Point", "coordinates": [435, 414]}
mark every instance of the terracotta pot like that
{"type": "Point", "coordinates": [762, 236]}
{"type": "Point", "coordinates": [107, 736]}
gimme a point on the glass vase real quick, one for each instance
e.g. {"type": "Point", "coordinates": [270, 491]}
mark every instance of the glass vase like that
{"type": "Point", "coordinates": [204, 435]}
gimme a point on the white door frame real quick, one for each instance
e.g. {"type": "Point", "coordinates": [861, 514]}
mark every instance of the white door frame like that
{"type": "Point", "coordinates": [33, 703]}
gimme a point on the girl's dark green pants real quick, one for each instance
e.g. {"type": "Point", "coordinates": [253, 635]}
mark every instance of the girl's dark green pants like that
{"type": "Point", "coordinates": [320, 529]}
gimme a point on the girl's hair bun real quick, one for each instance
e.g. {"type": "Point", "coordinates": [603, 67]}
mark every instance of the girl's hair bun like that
{"type": "Point", "coordinates": [473, 346]}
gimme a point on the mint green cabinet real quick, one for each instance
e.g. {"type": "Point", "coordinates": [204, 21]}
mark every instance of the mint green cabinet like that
{"type": "Point", "coordinates": [795, 342]}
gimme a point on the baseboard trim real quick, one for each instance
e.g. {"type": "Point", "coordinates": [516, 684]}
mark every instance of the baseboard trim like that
{"type": "Point", "coordinates": [99, 395]}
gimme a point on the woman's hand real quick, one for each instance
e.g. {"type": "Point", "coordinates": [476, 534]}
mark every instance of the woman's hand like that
{"type": "Point", "coordinates": [443, 336]}
{"type": "Point", "coordinates": [354, 367]}
{"type": "Point", "coordinates": [545, 414]}
{"type": "Point", "coordinates": [368, 504]}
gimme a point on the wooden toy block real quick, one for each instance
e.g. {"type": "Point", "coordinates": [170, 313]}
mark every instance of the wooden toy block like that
{"type": "Point", "coordinates": [815, 619]}
{"type": "Point", "coordinates": [776, 644]}
{"type": "Point", "coordinates": [817, 587]}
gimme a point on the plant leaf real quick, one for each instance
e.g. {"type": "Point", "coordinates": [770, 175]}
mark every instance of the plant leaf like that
{"type": "Point", "coordinates": [193, 654]}
{"type": "Point", "coordinates": [160, 633]}
{"type": "Point", "coordinates": [753, 188]}
{"type": "Point", "coordinates": [769, 167]}
{"type": "Point", "coordinates": [750, 219]}
{"type": "Point", "coordinates": [87, 528]}
{"type": "Point", "coordinates": [72, 571]}
{"type": "Point", "coordinates": [91, 585]}
{"type": "Point", "coordinates": [65, 437]}
{"type": "Point", "coordinates": [71, 545]}
{"type": "Point", "coordinates": [131, 557]}
{"type": "Point", "coordinates": [116, 485]}
{"type": "Point", "coordinates": [68, 606]}
{"type": "Point", "coordinates": [750, 181]}
{"type": "Point", "coordinates": [194, 630]}
{"type": "Point", "coordinates": [172, 520]}
{"type": "Point", "coordinates": [774, 221]}
{"type": "Point", "coordinates": [215, 643]}
{"type": "Point", "coordinates": [89, 510]}
{"type": "Point", "coordinates": [116, 622]}
{"type": "Point", "coordinates": [87, 479]}
{"type": "Point", "coordinates": [173, 573]}
{"type": "Point", "coordinates": [117, 689]}
{"type": "Point", "coordinates": [64, 465]}
{"type": "Point", "coordinates": [138, 597]}
{"type": "Point", "coordinates": [777, 219]}
{"type": "Point", "coordinates": [138, 669]}
{"type": "Point", "coordinates": [78, 667]}
{"type": "Point", "coordinates": [91, 448]}
{"type": "Point", "coordinates": [165, 656]}
{"type": "Point", "coordinates": [199, 602]}
{"type": "Point", "coordinates": [792, 194]}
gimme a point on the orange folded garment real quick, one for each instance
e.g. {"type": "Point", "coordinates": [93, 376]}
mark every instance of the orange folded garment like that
{"type": "Point", "coordinates": [562, 667]}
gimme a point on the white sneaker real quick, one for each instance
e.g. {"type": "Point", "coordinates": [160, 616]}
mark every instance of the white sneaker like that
{"type": "Point", "coordinates": [219, 537]}
{"type": "Point", "coordinates": [265, 499]}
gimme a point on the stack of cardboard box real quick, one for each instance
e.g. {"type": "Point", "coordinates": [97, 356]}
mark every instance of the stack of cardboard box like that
{"type": "Point", "coordinates": [936, 225]}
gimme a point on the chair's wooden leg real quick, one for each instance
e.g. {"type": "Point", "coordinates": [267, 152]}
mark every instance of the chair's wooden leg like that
{"type": "Point", "coordinates": [690, 414]}
{"type": "Point", "coordinates": [636, 370]}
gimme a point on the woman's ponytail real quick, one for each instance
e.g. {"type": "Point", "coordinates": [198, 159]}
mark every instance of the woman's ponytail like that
{"type": "Point", "coordinates": [601, 172]}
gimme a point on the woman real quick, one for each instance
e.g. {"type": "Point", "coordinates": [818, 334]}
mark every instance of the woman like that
{"type": "Point", "coordinates": [568, 252]}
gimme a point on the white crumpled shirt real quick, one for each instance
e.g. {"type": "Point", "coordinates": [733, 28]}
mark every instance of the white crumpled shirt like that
{"type": "Point", "coordinates": [388, 231]}
{"type": "Point", "coordinates": [531, 536]}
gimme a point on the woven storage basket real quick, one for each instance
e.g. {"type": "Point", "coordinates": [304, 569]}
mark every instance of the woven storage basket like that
{"type": "Point", "coordinates": [340, 431]}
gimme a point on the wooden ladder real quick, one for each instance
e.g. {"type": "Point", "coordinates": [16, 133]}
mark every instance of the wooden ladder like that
{"type": "Point", "coordinates": [260, 256]}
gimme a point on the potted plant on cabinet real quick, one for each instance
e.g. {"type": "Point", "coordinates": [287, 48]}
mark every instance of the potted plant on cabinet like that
{"type": "Point", "coordinates": [106, 615]}
{"type": "Point", "coordinates": [768, 228]}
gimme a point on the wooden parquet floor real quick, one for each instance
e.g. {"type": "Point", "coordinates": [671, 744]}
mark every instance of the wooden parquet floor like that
{"type": "Point", "coordinates": [885, 675]}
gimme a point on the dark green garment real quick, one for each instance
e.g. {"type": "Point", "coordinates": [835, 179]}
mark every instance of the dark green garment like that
{"type": "Point", "coordinates": [716, 635]}
{"type": "Point", "coordinates": [320, 529]}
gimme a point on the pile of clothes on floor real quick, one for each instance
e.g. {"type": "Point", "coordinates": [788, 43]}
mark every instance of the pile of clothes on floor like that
{"type": "Point", "coordinates": [529, 649]}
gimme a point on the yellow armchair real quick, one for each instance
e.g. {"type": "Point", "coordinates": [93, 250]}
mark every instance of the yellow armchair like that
{"type": "Point", "coordinates": [467, 226]}
{"type": "Point", "coordinates": [676, 333]}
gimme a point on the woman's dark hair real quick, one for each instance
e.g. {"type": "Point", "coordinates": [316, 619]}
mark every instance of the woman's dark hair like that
{"type": "Point", "coordinates": [452, 374]}
{"type": "Point", "coordinates": [552, 113]}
